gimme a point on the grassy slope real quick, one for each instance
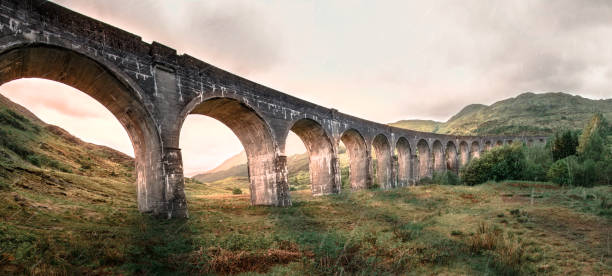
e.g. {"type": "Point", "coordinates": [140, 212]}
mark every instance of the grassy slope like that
{"type": "Point", "coordinates": [527, 113]}
{"type": "Point", "coordinates": [418, 125]}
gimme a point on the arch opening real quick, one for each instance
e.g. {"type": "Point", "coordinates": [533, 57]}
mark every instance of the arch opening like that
{"type": "Point", "coordinates": [475, 150]}
{"type": "Point", "coordinates": [205, 157]}
{"type": "Point", "coordinates": [256, 139]}
{"type": "Point", "coordinates": [499, 143]}
{"type": "Point", "coordinates": [464, 154]}
{"type": "Point", "coordinates": [110, 88]}
{"type": "Point", "coordinates": [358, 159]}
{"type": "Point", "coordinates": [451, 158]}
{"type": "Point", "coordinates": [423, 155]}
{"type": "Point", "coordinates": [438, 157]}
{"type": "Point", "coordinates": [488, 146]}
{"type": "Point", "coordinates": [382, 149]}
{"type": "Point", "coordinates": [320, 155]}
{"type": "Point", "coordinates": [404, 160]}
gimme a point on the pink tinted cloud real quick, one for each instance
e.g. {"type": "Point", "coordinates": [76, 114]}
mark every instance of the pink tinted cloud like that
{"type": "Point", "coordinates": [38, 93]}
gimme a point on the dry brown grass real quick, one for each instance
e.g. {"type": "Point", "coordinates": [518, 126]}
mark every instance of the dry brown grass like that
{"type": "Point", "coordinates": [232, 262]}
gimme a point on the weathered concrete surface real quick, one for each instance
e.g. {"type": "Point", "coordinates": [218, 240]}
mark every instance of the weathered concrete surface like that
{"type": "Point", "coordinates": [151, 90]}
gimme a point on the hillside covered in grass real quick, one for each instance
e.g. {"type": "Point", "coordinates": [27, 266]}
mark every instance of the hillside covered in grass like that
{"type": "Point", "coordinates": [526, 114]}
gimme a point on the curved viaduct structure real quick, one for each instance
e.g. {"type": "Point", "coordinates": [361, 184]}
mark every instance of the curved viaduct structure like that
{"type": "Point", "coordinates": [151, 90]}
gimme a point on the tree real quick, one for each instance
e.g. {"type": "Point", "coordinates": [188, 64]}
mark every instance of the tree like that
{"type": "Point", "coordinates": [564, 144]}
{"type": "Point", "coordinates": [592, 142]}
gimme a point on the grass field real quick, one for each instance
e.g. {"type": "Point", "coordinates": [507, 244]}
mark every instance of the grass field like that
{"type": "Point", "coordinates": [53, 222]}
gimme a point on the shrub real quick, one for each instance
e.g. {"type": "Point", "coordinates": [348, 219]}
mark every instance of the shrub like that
{"type": "Point", "coordinates": [9, 142]}
{"type": "Point", "coordinates": [486, 238]}
{"type": "Point", "coordinates": [570, 171]}
{"type": "Point", "coordinates": [236, 191]}
{"type": "Point", "coordinates": [423, 181]}
{"type": "Point", "coordinates": [561, 171]}
{"type": "Point", "coordinates": [7, 119]}
{"type": "Point", "coordinates": [501, 163]}
{"type": "Point", "coordinates": [538, 161]}
{"type": "Point", "coordinates": [508, 254]}
{"type": "Point", "coordinates": [446, 178]}
{"type": "Point", "coordinates": [34, 160]}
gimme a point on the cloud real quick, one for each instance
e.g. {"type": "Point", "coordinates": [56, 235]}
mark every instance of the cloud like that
{"type": "Point", "coordinates": [379, 61]}
{"type": "Point", "coordinates": [45, 94]}
{"type": "Point", "coordinates": [233, 37]}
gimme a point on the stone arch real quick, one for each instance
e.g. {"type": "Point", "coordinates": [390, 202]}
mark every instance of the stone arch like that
{"type": "Point", "coordinates": [499, 143]}
{"type": "Point", "coordinates": [475, 150]}
{"type": "Point", "coordinates": [320, 155]}
{"type": "Point", "coordinates": [438, 156]}
{"type": "Point", "coordinates": [530, 142]}
{"type": "Point", "coordinates": [266, 185]}
{"type": "Point", "coordinates": [488, 145]}
{"type": "Point", "coordinates": [109, 86]}
{"type": "Point", "coordinates": [358, 158]}
{"type": "Point", "coordinates": [464, 154]}
{"type": "Point", "coordinates": [451, 157]}
{"type": "Point", "coordinates": [383, 161]}
{"type": "Point", "coordinates": [423, 155]}
{"type": "Point", "coordinates": [404, 160]}
{"type": "Point", "coordinates": [509, 141]}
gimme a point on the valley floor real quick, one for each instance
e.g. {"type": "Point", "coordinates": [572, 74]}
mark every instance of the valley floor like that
{"type": "Point", "coordinates": [52, 222]}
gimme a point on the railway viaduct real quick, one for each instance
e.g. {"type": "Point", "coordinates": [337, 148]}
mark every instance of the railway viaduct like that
{"type": "Point", "coordinates": [151, 89]}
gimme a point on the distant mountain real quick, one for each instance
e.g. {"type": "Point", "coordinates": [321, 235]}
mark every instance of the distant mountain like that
{"type": "Point", "coordinates": [236, 166]}
{"type": "Point", "coordinates": [419, 125]}
{"type": "Point", "coordinates": [528, 114]}
{"type": "Point", "coordinates": [235, 160]}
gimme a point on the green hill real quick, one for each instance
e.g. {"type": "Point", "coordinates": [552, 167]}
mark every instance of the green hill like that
{"type": "Point", "coordinates": [419, 125]}
{"type": "Point", "coordinates": [528, 114]}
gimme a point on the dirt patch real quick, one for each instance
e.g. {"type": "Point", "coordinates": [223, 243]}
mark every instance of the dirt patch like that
{"type": "Point", "coordinates": [512, 198]}
{"type": "Point", "coordinates": [534, 185]}
{"type": "Point", "coordinates": [469, 197]}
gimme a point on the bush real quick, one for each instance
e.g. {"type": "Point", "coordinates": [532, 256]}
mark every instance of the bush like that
{"type": "Point", "coordinates": [501, 163]}
{"type": "Point", "coordinates": [446, 178]}
{"type": "Point", "coordinates": [236, 191]}
{"type": "Point", "coordinates": [7, 119]}
{"type": "Point", "coordinates": [9, 142]}
{"type": "Point", "coordinates": [423, 181]}
{"type": "Point", "coordinates": [538, 162]}
{"type": "Point", "coordinates": [560, 171]}
{"type": "Point", "coordinates": [569, 171]}
{"type": "Point", "coordinates": [508, 254]}
{"type": "Point", "coordinates": [34, 160]}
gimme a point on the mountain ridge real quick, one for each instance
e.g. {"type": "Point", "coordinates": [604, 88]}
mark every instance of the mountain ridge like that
{"type": "Point", "coordinates": [526, 114]}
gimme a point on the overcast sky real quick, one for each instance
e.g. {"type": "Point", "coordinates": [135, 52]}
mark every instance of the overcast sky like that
{"type": "Point", "coordinates": [379, 60]}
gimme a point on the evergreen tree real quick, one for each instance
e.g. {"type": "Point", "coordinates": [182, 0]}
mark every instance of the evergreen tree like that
{"type": "Point", "coordinates": [564, 144]}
